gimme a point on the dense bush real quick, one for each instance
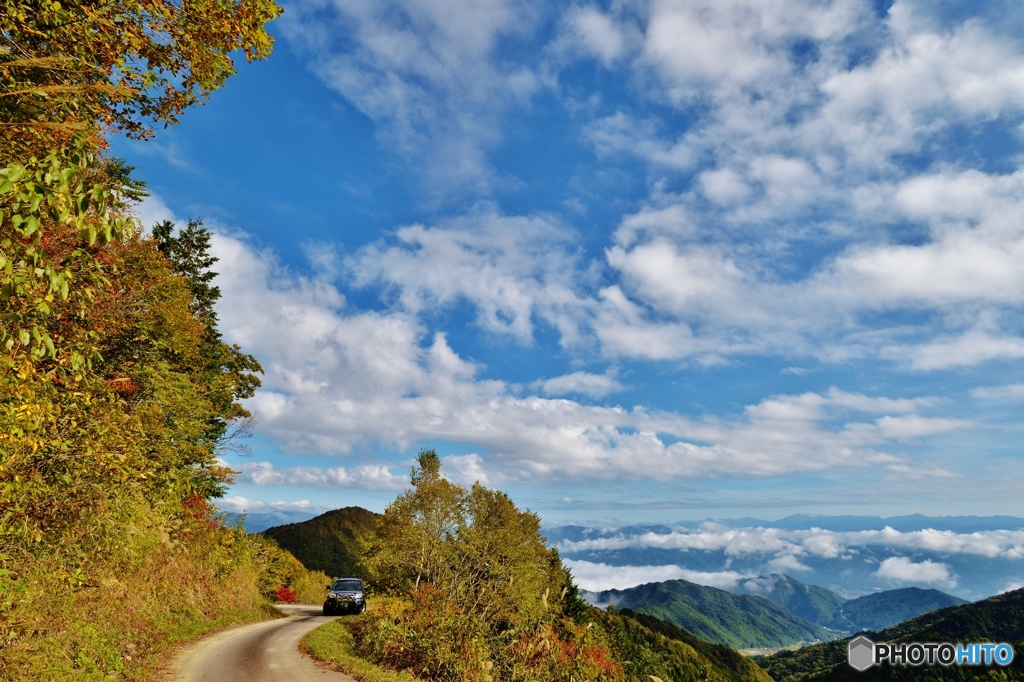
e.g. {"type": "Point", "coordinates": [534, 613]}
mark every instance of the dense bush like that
{"type": "Point", "coordinates": [481, 597]}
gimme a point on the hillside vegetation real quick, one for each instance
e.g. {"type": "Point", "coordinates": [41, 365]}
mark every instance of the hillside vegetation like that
{"type": "Point", "coordinates": [329, 542]}
{"type": "Point", "coordinates": [739, 621]}
{"type": "Point", "coordinates": [653, 647]}
{"type": "Point", "coordinates": [117, 391]}
{"type": "Point", "coordinates": [465, 589]}
{"type": "Point", "coordinates": [997, 619]}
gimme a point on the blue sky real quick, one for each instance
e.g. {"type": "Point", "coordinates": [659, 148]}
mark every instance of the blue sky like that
{"type": "Point", "coordinates": [629, 261]}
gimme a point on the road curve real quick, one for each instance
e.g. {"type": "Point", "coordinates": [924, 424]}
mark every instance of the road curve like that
{"type": "Point", "coordinates": [257, 652]}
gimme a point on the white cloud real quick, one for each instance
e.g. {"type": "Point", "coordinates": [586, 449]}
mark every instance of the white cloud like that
{"type": "Point", "coordinates": [239, 504]}
{"type": "Point", "coordinates": [787, 562]}
{"type": "Point", "coordinates": [338, 377]}
{"type": "Point", "coordinates": [467, 470]}
{"type": "Point", "coordinates": [152, 210]}
{"type": "Point", "coordinates": [721, 47]}
{"type": "Point", "coordinates": [515, 270]}
{"type": "Point", "coordinates": [724, 186]}
{"type": "Point", "coordinates": [799, 109]}
{"type": "Point", "coordinates": [787, 546]}
{"type": "Point", "coordinates": [1008, 392]}
{"type": "Point", "coordinates": [793, 151]}
{"type": "Point", "coordinates": [598, 577]}
{"type": "Point", "coordinates": [967, 350]}
{"type": "Point", "coordinates": [596, 34]}
{"type": "Point", "coordinates": [903, 570]}
{"type": "Point", "coordinates": [965, 277]}
{"type": "Point", "coordinates": [1011, 586]}
{"type": "Point", "coordinates": [623, 134]}
{"type": "Point", "coordinates": [362, 477]}
{"type": "Point", "coordinates": [581, 383]}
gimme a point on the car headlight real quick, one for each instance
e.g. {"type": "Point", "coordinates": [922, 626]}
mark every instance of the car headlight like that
{"type": "Point", "coordinates": [359, 595]}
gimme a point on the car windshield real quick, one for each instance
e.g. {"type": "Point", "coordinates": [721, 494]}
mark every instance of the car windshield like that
{"type": "Point", "coordinates": [347, 585]}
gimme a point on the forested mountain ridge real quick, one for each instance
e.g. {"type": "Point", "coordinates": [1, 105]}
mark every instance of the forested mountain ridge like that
{"type": "Point", "coordinates": [892, 607]}
{"type": "Point", "coordinates": [997, 619]}
{"type": "Point", "coordinates": [739, 621]}
{"type": "Point", "coordinates": [329, 542]}
{"type": "Point", "coordinates": [868, 612]}
{"type": "Point", "coordinates": [813, 603]}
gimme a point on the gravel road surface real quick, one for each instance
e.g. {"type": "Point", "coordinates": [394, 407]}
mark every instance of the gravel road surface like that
{"type": "Point", "coordinates": [257, 652]}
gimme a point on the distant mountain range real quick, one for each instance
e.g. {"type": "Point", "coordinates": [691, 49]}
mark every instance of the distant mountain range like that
{"type": "Point", "coordinates": [906, 524]}
{"type": "Point", "coordinates": [845, 523]}
{"type": "Point", "coordinates": [971, 557]}
{"type": "Point", "coordinates": [260, 521]}
{"type": "Point", "coordinates": [997, 619]}
{"type": "Point", "coordinates": [772, 611]}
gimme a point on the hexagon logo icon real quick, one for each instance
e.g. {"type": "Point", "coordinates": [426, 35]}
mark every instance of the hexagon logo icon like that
{"type": "Point", "coordinates": [861, 653]}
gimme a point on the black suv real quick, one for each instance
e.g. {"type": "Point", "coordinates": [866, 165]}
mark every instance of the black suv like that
{"type": "Point", "coordinates": [345, 595]}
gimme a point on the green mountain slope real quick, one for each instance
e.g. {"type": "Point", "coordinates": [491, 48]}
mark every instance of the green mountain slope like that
{"type": "Point", "coordinates": [997, 619]}
{"type": "Point", "coordinates": [825, 607]}
{"type": "Point", "coordinates": [739, 621]}
{"type": "Point", "coordinates": [653, 647]}
{"type": "Point", "coordinates": [329, 542]}
{"type": "Point", "coordinates": [885, 609]}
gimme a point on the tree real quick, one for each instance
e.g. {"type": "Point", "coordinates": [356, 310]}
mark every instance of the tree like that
{"type": "Point", "coordinates": [487, 597]}
{"type": "Point", "coordinates": [82, 66]}
{"type": "Point", "coordinates": [116, 389]}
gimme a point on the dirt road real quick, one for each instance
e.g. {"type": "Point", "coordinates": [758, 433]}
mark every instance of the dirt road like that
{"type": "Point", "coordinates": [258, 652]}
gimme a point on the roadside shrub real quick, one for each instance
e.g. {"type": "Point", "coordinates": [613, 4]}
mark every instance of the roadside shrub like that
{"type": "Point", "coordinates": [431, 638]}
{"type": "Point", "coordinates": [115, 611]}
{"type": "Point", "coordinates": [310, 586]}
{"type": "Point", "coordinates": [332, 643]}
{"type": "Point", "coordinates": [285, 595]}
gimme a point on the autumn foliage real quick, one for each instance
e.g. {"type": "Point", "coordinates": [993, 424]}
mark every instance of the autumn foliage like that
{"type": "Point", "coordinates": [285, 595]}
{"type": "Point", "coordinates": [478, 596]}
{"type": "Point", "coordinates": [116, 390]}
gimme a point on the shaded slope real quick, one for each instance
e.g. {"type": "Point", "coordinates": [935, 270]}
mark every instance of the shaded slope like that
{"type": "Point", "coordinates": [810, 602]}
{"type": "Point", "coordinates": [740, 621]}
{"type": "Point", "coordinates": [328, 542]}
{"type": "Point", "coordinates": [652, 647]}
{"type": "Point", "coordinates": [997, 619]}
